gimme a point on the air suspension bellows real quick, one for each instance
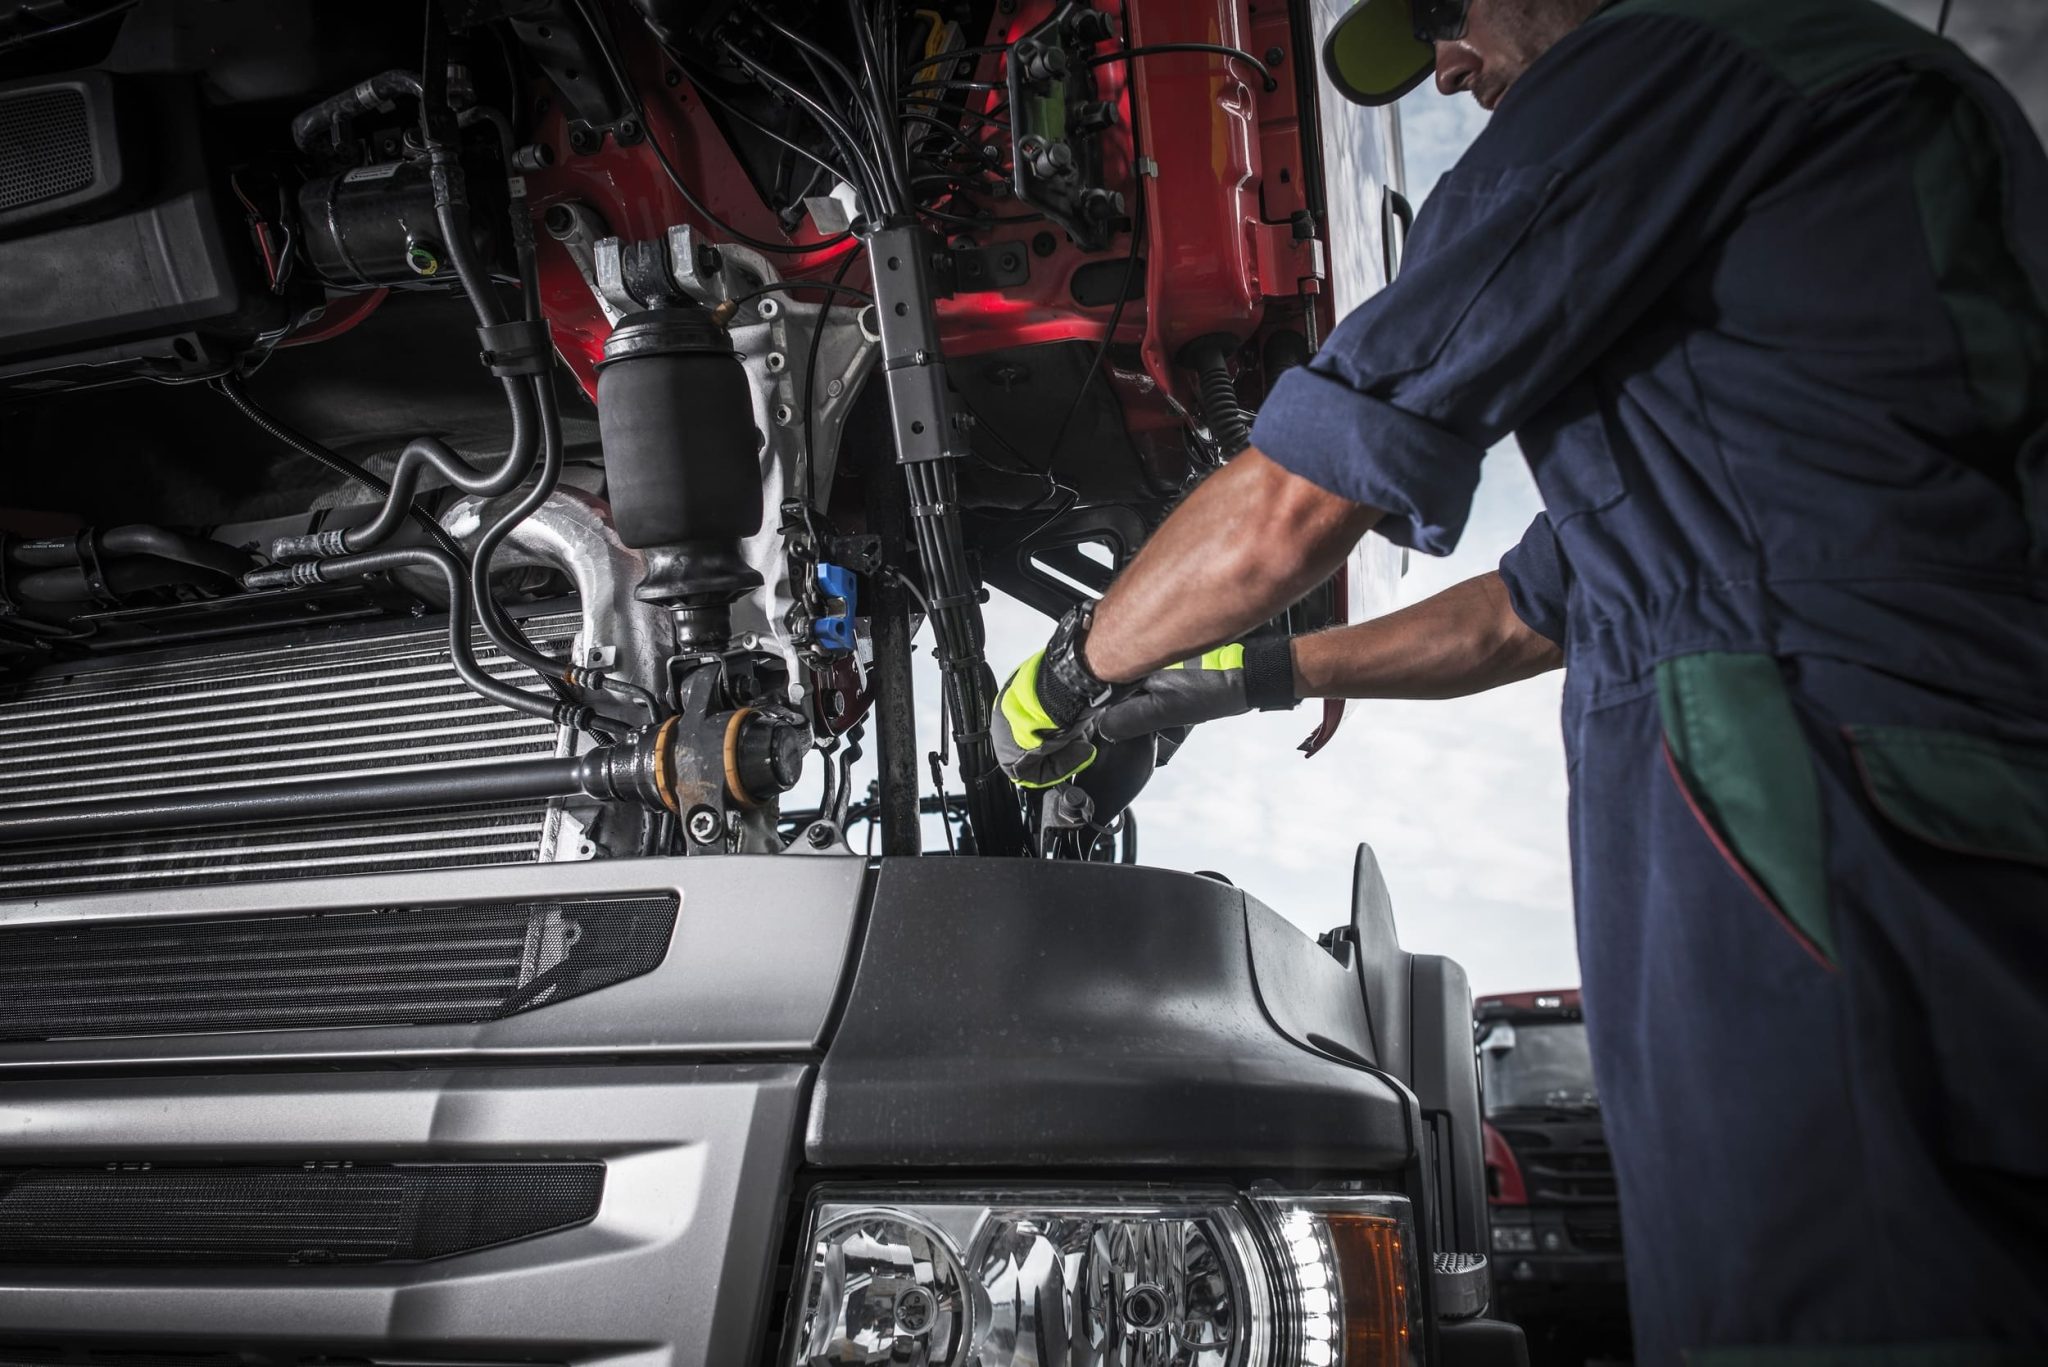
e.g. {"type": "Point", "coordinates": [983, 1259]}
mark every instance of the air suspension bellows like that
{"type": "Point", "coordinates": [681, 458]}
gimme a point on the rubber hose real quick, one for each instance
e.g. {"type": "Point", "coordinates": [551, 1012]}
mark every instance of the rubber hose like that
{"type": "Point", "coordinates": [1228, 423]}
{"type": "Point", "coordinates": [460, 652]}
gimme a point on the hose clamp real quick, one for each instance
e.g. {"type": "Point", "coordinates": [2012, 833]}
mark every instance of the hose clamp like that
{"type": "Point", "coordinates": [521, 347]}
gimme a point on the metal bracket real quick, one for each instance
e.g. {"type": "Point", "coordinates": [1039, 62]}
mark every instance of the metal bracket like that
{"type": "Point", "coordinates": [1057, 122]}
{"type": "Point", "coordinates": [976, 270]}
{"type": "Point", "coordinates": [905, 260]}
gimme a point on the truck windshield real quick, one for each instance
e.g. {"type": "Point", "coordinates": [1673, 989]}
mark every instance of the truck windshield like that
{"type": "Point", "coordinates": [1544, 1066]}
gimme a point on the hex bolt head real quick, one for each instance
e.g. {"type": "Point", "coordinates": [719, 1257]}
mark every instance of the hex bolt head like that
{"type": "Point", "coordinates": [704, 825]}
{"type": "Point", "coordinates": [784, 415]}
{"type": "Point", "coordinates": [819, 836]}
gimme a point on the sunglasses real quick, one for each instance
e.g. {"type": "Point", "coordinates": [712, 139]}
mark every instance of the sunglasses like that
{"type": "Point", "coordinates": [1438, 21]}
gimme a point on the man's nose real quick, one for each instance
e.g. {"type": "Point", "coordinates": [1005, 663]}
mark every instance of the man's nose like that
{"type": "Point", "coordinates": [1457, 67]}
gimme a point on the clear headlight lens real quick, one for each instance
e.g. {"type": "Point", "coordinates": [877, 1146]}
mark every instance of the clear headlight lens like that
{"type": "Point", "coordinates": [1105, 1279]}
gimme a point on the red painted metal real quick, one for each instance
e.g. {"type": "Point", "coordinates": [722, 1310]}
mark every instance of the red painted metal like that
{"type": "Point", "coordinates": [1504, 1185]}
{"type": "Point", "coordinates": [1204, 211]}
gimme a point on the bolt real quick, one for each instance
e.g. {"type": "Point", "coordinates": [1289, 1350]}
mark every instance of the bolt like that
{"type": "Point", "coordinates": [1009, 261]}
{"type": "Point", "coordinates": [1274, 56]}
{"type": "Point", "coordinates": [1045, 244]}
{"type": "Point", "coordinates": [626, 130]}
{"type": "Point", "coordinates": [775, 361]}
{"type": "Point", "coordinates": [704, 825]}
{"type": "Point", "coordinates": [784, 415]}
{"type": "Point", "coordinates": [671, 78]}
{"type": "Point", "coordinates": [835, 388]}
{"type": "Point", "coordinates": [582, 141]}
{"type": "Point", "coordinates": [819, 836]}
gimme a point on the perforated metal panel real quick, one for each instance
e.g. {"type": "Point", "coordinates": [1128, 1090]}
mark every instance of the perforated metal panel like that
{"type": "Point", "coordinates": [45, 146]}
{"type": "Point", "coordinates": [373, 966]}
{"type": "Point", "coordinates": [317, 1213]}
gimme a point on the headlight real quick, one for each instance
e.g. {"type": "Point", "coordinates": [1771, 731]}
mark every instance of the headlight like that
{"type": "Point", "coordinates": [1514, 1239]}
{"type": "Point", "coordinates": [1129, 1278]}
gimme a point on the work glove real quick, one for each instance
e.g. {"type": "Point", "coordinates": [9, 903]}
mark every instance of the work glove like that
{"type": "Point", "coordinates": [1228, 681]}
{"type": "Point", "coordinates": [1040, 726]}
{"type": "Point", "coordinates": [1046, 729]}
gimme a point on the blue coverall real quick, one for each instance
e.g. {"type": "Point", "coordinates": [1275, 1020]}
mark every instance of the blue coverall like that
{"type": "Point", "coordinates": [1760, 286]}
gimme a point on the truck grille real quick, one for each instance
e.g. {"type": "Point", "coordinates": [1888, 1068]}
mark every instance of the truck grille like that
{"type": "Point", "coordinates": [464, 963]}
{"type": "Point", "coordinates": [314, 1213]}
{"type": "Point", "coordinates": [276, 711]}
{"type": "Point", "coordinates": [1563, 1164]}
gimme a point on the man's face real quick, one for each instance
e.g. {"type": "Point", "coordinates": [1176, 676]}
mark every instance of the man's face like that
{"type": "Point", "coordinates": [1502, 38]}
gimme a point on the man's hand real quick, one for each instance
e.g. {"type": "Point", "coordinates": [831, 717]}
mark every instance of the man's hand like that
{"type": "Point", "coordinates": [1226, 682]}
{"type": "Point", "coordinates": [1041, 715]}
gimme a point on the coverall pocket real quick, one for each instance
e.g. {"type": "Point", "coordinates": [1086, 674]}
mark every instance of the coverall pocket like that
{"type": "Point", "coordinates": [1736, 751]}
{"type": "Point", "coordinates": [1969, 795]}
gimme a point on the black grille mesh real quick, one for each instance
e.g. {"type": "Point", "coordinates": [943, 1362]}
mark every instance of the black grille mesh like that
{"type": "Point", "coordinates": [375, 966]}
{"type": "Point", "coordinates": [320, 1214]}
{"type": "Point", "coordinates": [45, 146]}
{"type": "Point", "coordinates": [226, 1357]}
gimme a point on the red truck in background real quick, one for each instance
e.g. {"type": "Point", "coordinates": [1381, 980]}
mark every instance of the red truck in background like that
{"type": "Point", "coordinates": [1550, 1182]}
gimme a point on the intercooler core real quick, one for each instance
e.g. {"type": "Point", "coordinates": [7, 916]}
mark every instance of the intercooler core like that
{"type": "Point", "coordinates": [214, 717]}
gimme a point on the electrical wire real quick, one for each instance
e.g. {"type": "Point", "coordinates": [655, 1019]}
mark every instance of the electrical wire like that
{"type": "Point", "coordinates": [607, 50]}
{"type": "Point", "coordinates": [785, 286]}
{"type": "Point", "coordinates": [806, 480]}
{"type": "Point", "coordinates": [1163, 49]}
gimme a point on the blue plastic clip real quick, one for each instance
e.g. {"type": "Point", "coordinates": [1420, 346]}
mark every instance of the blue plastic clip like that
{"type": "Point", "coordinates": [836, 632]}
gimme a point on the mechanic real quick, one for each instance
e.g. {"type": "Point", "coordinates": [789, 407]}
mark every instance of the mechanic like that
{"type": "Point", "coordinates": [1759, 285]}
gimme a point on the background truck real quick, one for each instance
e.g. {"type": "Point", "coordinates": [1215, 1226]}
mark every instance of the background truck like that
{"type": "Point", "coordinates": [1556, 1239]}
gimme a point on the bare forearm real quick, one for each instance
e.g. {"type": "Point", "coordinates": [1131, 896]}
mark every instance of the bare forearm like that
{"type": "Point", "coordinates": [1466, 639]}
{"type": "Point", "coordinates": [1246, 544]}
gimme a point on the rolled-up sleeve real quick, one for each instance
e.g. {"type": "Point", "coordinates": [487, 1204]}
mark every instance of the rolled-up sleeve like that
{"type": "Point", "coordinates": [1538, 580]}
{"type": "Point", "coordinates": [1612, 165]}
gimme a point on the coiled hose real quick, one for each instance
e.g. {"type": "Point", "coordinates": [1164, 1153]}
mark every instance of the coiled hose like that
{"type": "Point", "coordinates": [1227, 421]}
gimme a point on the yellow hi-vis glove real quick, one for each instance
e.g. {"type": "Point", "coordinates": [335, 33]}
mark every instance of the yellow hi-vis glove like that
{"type": "Point", "coordinates": [1034, 747]}
{"type": "Point", "coordinates": [1045, 737]}
{"type": "Point", "coordinates": [1225, 682]}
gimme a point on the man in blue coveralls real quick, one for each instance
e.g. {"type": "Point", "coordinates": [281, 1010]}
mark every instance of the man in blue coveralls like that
{"type": "Point", "coordinates": [1762, 287]}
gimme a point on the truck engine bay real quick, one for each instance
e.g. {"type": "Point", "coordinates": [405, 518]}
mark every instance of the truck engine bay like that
{"type": "Point", "coordinates": [800, 329]}
{"type": "Point", "coordinates": [477, 474]}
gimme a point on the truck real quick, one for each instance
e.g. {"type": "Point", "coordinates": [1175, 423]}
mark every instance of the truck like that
{"type": "Point", "coordinates": [476, 472]}
{"type": "Point", "coordinates": [1556, 1214]}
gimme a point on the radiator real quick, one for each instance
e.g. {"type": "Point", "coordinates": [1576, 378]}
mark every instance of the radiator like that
{"type": "Point", "coordinates": [269, 711]}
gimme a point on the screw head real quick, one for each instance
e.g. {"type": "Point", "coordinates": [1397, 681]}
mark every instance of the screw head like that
{"type": "Point", "coordinates": [671, 78]}
{"type": "Point", "coordinates": [1045, 244]}
{"type": "Point", "coordinates": [776, 362]}
{"type": "Point", "coordinates": [784, 415]}
{"type": "Point", "coordinates": [819, 836]}
{"type": "Point", "coordinates": [704, 825]}
{"type": "Point", "coordinates": [582, 141]}
{"type": "Point", "coordinates": [835, 387]}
